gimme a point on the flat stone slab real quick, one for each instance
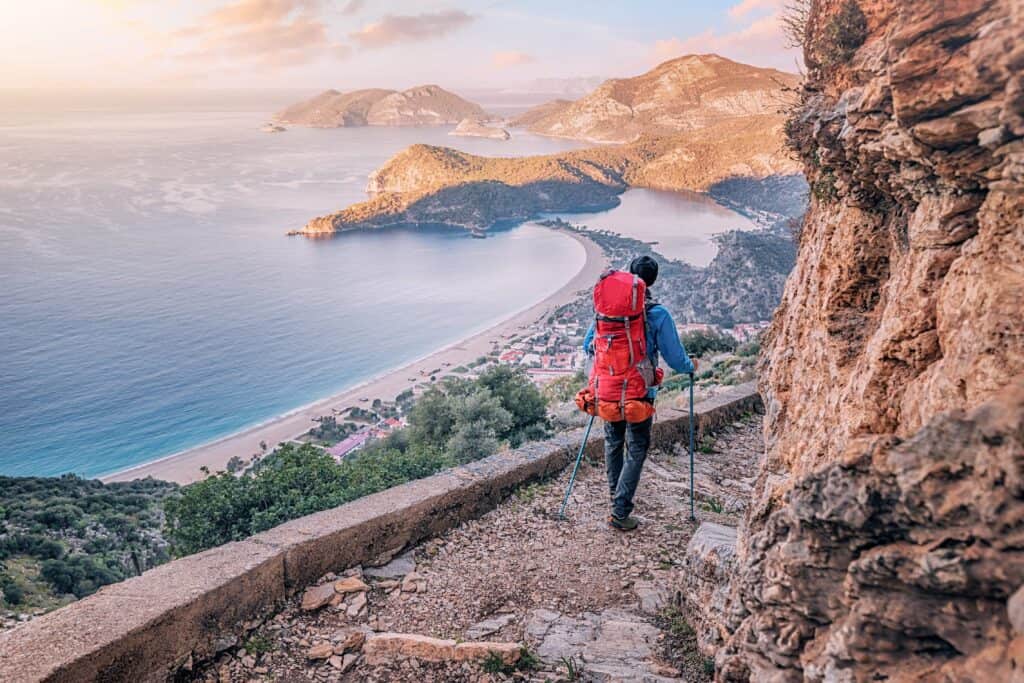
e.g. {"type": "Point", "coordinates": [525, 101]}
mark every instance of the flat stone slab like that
{"type": "Point", "coordinates": [652, 595]}
{"type": "Point", "coordinates": [486, 627]}
{"type": "Point", "coordinates": [713, 539]}
{"type": "Point", "coordinates": [395, 569]}
{"type": "Point", "coordinates": [614, 645]}
{"type": "Point", "coordinates": [384, 647]}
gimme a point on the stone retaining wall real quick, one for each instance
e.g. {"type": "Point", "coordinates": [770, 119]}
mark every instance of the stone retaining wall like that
{"type": "Point", "coordinates": [148, 627]}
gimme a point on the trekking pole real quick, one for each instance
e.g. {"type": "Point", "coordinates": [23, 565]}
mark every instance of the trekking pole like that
{"type": "Point", "coordinates": [693, 517]}
{"type": "Point", "coordinates": [575, 469]}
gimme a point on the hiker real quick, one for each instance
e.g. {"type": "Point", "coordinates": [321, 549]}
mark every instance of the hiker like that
{"type": "Point", "coordinates": [633, 436]}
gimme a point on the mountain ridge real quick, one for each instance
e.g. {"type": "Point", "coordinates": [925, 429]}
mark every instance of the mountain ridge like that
{"type": "Point", "coordinates": [681, 94]}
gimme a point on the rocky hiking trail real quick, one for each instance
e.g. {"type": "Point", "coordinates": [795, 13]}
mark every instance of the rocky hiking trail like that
{"type": "Point", "coordinates": [519, 594]}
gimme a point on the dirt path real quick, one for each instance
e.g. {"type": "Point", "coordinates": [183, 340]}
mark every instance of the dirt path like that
{"type": "Point", "coordinates": [578, 595]}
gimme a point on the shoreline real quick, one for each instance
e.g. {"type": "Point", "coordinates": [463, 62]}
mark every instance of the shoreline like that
{"type": "Point", "coordinates": [183, 467]}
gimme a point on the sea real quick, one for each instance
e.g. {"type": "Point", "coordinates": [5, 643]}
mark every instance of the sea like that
{"type": "Point", "coordinates": [150, 300]}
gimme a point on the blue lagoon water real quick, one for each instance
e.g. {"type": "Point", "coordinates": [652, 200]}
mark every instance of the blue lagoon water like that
{"type": "Point", "coordinates": [150, 300]}
{"type": "Point", "coordinates": [682, 225]}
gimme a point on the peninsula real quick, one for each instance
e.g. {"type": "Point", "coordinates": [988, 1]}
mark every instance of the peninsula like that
{"type": "Point", "coordinates": [439, 185]}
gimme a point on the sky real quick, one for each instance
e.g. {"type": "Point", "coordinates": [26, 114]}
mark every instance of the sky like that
{"type": "Point", "coordinates": [349, 44]}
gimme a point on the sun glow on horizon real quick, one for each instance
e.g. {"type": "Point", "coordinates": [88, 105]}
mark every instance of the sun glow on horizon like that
{"type": "Point", "coordinates": [321, 43]}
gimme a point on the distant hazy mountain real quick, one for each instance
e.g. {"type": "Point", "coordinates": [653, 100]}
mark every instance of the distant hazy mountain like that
{"type": "Point", "coordinates": [425, 105]}
{"type": "Point", "coordinates": [682, 94]}
{"type": "Point", "coordinates": [569, 88]}
{"type": "Point", "coordinates": [541, 112]}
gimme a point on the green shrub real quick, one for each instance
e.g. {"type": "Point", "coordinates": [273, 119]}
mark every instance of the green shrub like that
{"type": "Point", "coordinates": [456, 421]}
{"type": "Point", "coordinates": [700, 342]}
{"type": "Point", "coordinates": [291, 482]}
{"type": "Point", "coordinates": [748, 349]}
{"type": "Point", "coordinates": [13, 593]}
{"type": "Point", "coordinates": [33, 545]}
{"type": "Point", "coordinates": [80, 575]}
{"type": "Point", "coordinates": [676, 383]}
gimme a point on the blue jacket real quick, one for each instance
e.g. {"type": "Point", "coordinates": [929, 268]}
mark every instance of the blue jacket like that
{"type": "Point", "coordinates": [662, 339]}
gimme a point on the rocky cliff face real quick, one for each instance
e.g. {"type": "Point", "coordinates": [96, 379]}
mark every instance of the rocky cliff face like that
{"type": "Point", "coordinates": [679, 95]}
{"type": "Point", "coordinates": [886, 534]}
{"type": "Point", "coordinates": [425, 105]}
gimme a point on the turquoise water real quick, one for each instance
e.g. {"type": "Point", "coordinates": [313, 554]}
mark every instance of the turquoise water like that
{"type": "Point", "coordinates": [150, 301]}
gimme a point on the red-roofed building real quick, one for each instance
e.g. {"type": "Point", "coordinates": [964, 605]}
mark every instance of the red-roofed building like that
{"type": "Point", "coordinates": [512, 356]}
{"type": "Point", "coordinates": [350, 443]}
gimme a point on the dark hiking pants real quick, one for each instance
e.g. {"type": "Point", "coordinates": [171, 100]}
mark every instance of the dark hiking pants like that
{"type": "Point", "coordinates": [631, 440]}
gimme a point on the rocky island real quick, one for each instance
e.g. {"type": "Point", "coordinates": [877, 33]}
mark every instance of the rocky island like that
{"type": "Point", "coordinates": [477, 129]}
{"type": "Point", "coordinates": [710, 142]}
{"type": "Point", "coordinates": [424, 105]}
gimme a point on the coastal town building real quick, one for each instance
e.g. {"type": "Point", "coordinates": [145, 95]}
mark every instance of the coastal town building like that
{"type": "Point", "coordinates": [351, 443]}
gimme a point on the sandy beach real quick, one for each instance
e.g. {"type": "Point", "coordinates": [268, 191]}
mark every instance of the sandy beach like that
{"type": "Point", "coordinates": [184, 467]}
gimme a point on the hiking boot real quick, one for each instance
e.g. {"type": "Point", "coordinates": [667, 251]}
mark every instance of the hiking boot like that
{"type": "Point", "coordinates": [623, 524]}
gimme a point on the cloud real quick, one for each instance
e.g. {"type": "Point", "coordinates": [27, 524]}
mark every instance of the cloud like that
{"type": "Point", "coordinates": [745, 7]}
{"type": "Point", "coordinates": [353, 7]}
{"type": "Point", "coordinates": [759, 41]}
{"type": "Point", "coordinates": [258, 33]}
{"type": "Point", "coordinates": [510, 58]}
{"type": "Point", "coordinates": [395, 28]}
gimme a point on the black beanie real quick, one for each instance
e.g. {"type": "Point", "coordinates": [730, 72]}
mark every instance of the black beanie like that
{"type": "Point", "coordinates": [646, 268]}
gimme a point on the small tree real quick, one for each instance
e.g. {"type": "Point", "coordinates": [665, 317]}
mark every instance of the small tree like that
{"type": "Point", "coordinates": [523, 401]}
{"type": "Point", "coordinates": [480, 419]}
{"type": "Point", "coordinates": [795, 18]}
{"type": "Point", "coordinates": [13, 594]}
{"type": "Point", "coordinates": [432, 419]}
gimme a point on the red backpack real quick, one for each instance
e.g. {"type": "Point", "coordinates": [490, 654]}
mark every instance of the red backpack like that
{"type": "Point", "coordinates": [622, 372]}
